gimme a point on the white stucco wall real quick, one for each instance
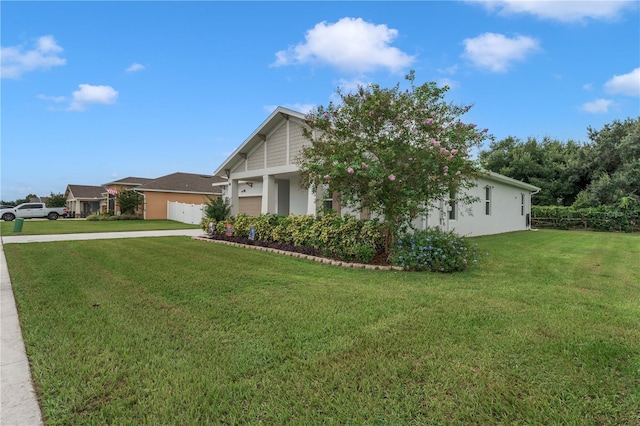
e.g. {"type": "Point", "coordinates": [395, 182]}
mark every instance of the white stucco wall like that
{"type": "Point", "coordinates": [507, 213]}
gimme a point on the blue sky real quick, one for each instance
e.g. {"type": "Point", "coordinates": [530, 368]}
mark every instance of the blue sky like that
{"type": "Point", "coordinates": [92, 92]}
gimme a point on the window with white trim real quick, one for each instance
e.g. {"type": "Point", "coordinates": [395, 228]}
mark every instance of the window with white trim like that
{"type": "Point", "coordinates": [327, 198]}
{"type": "Point", "coordinates": [487, 200]}
{"type": "Point", "coordinates": [453, 206]}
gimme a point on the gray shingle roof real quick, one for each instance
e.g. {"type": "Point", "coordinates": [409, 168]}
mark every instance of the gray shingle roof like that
{"type": "Point", "coordinates": [184, 182]}
{"type": "Point", "coordinates": [86, 191]}
{"type": "Point", "coordinates": [131, 180]}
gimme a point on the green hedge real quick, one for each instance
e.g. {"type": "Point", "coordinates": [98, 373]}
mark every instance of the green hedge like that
{"type": "Point", "coordinates": [604, 218]}
{"type": "Point", "coordinates": [343, 237]}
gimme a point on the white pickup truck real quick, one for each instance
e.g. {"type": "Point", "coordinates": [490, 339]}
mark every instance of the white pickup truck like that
{"type": "Point", "coordinates": [32, 210]}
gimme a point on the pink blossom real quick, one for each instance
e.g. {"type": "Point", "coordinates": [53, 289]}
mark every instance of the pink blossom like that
{"type": "Point", "coordinates": [326, 177]}
{"type": "Point", "coordinates": [350, 170]}
{"type": "Point", "coordinates": [326, 115]}
{"type": "Point", "coordinates": [435, 142]}
{"type": "Point", "coordinates": [446, 168]}
{"type": "Point", "coordinates": [392, 177]}
{"type": "Point", "coordinates": [472, 126]}
{"type": "Point", "coordinates": [364, 166]}
{"type": "Point", "coordinates": [428, 121]}
{"type": "Point", "coordinates": [458, 172]}
{"type": "Point", "coordinates": [454, 151]}
{"type": "Point", "coordinates": [444, 150]}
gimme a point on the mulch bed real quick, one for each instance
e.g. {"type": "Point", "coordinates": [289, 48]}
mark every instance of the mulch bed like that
{"type": "Point", "coordinates": [380, 259]}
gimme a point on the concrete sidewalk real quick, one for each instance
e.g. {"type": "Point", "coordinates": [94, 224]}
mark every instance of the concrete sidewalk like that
{"type": "Point", "coordinates": [99, 236]}
{"type": "Point", "coordinates": [18, 403]}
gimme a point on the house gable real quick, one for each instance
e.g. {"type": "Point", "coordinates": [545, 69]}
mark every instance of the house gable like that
{"type": "Point", "coordinates": [274, 146]}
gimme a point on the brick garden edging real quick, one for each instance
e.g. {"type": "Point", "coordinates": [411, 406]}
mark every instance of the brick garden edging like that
{"type": "Point", "coordinates": [324, 260]}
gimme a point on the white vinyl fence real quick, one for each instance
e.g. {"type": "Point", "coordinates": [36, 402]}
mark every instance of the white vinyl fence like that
{"type": "Point", "coordinates": [185, 213]}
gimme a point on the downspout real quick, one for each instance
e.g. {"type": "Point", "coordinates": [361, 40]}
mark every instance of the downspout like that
{"type": "Point", "coordinates": [530, 205]}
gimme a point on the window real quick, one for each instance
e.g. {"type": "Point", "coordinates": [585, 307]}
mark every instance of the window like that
{"type": "Point", "coordinates": [487, 200]}
{"type": "Point", "coordinates": [453, 206]}
{"type": "Point", "coordinates": [522, 204]}
{"type": "Point", "coordinates": [31, 206]}
{"type": "Point", "coordinates": [327, 198]}
{"type": "Point", "coordinates": [330, 199]}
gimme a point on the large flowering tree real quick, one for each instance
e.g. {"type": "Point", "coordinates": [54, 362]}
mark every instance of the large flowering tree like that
{"type": "Point", "coordinates": [394, 152]}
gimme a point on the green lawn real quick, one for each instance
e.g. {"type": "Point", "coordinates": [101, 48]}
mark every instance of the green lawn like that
{"type": "Point", "coordinates": [75, 226]}
{"type": "Point", "coordinates": [159, 331]}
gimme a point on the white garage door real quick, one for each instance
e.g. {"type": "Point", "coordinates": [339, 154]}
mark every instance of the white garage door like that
{"type": "Point", "coordinates": [250, 205]}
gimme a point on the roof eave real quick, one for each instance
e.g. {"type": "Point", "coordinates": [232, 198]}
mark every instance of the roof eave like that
{"type": "Point", "coordinates": [505, 179]}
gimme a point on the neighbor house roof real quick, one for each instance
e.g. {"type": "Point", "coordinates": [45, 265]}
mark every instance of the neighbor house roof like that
{"type": "Point", "coordinates": [184, 182]}
{"type": "Point", "coordinates": [257, 137]}
{"type": "Point", "coordinates": [86, 191]}
{"type": "Point", "coordinates": [131, 180]}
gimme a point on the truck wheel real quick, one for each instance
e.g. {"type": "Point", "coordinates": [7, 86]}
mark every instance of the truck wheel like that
{"type": "Point", "coordinates": [8, 217]}
{"type": "Point", "coordinates": [52, 216]}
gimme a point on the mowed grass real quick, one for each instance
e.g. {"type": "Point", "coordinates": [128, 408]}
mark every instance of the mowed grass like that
{"type": "Point", "coordinates": [78, 226]}
{"type": "Point", "coordinates": [158, 331]}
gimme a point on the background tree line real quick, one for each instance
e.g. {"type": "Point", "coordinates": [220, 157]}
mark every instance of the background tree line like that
{"type": "Point", "coordinates": [53, 200]}
{"type": "Point", "coordinates": [605, 171]}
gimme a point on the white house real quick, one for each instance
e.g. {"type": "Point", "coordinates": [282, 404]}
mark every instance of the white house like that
{"type": "Point", "coordinates": [263, 177]}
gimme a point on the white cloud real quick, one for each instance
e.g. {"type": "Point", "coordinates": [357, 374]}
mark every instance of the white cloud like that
{"type": "Point", "coordinates": [89, 94]}
{"type": "Point", "coordinates": [449, 70]}
{"type": "Point", "coordinates": [587, 86]}
{"type": "Point", "coordinates": [497, 52]}
{"type": "Point", "coordinates": [564, 11]}
{"type": "Point", "coordinates": [445, 81]}
{"type": "Point", "coordinates": [599, 106]}
{"type": "Point", "coordinates": [135, 67]}
{"type": "Point", "coordinates": [15, 61]}
{"type": "Point", "coordinates": [303, 108]}
{"type": "Point", "coordinates": [626, 84]}
{"type": "Point", "coordinates": [350, 86]}
{"type": "Point", "coordinates": [56, 99]}
{"type": "Point", "coordinates": [351, 45]}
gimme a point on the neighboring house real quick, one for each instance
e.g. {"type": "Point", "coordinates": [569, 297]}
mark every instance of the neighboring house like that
{"type": "Point", "coordinates": [83, 200]}
{"type": "Point", "coordinates": [112, 189]}
{"type": "Point", "coordinates": [186, 188]}
{"type": "Point", "coordinates": [263, 177]}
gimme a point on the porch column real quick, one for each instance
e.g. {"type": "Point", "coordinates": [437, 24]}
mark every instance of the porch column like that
{"type": "Point", "coordinates": [312, 200]}
{"type": "Point", "coordinates": [233, 196]}
{"type": "Point", "coordinates": [268, 194]}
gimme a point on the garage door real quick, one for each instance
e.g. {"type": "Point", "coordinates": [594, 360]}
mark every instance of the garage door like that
{"type": "Point", "coordinates": [250, 205]}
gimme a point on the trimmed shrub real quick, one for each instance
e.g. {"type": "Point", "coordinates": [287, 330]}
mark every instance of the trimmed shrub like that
{"type": "Point", "coordinates": [603, 218]}
{"type": "Point", "coordinates": [264, 226]}
{"type": "Point", "coordinates": [217, 208]}
{"type": "Point", "coordinates": [346, 238]}
{"type": "Point", "coordinates": [434, 251]}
